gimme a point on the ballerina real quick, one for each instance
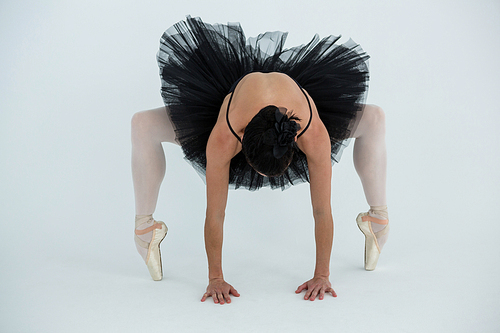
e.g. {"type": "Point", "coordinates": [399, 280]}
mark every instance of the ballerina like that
{"type": "Point", "coordinates": [248, 116]}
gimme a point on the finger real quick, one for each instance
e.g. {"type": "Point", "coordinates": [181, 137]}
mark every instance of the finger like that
{"type": "Point", "coordinates": [308, 294]}
{"type": "Point", "coordinates": [220, 298]}
{"type": "Point", "coordinates": [204, 297]}
{"type": "Point", "coordinates": [234, 292]}
{"type": "Point", "coordinates": [314, 293]}
{"type": "Point", "coordinates": [301, 287]}
{"type": "Point", "coordinates": [331, 291]}
{"type": "Point", "coordinates": [227, 298]}
{"type": "Point", "coordinates": [322, 293]}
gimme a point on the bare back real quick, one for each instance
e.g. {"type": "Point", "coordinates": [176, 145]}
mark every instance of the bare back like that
{"type": "Point", "coordinates": [254, 92]}
{"type": "Point", "coordinates": [258, 90]}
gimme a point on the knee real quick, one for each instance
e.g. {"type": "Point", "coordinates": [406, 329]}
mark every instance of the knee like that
{"type": "Point", "coordinates": [376, 115]}
{"type": "Point", "coordinates": [139, 124]}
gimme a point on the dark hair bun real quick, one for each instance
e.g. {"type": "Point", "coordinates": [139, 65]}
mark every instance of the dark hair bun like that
{"type": "Point", "coordinates": [285, 130]}
{"type": "Point", "coordinates": [269, 140]}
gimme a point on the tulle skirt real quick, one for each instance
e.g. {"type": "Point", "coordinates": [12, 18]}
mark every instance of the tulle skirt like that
{"type": "Point", "coordinates": [199, 62]}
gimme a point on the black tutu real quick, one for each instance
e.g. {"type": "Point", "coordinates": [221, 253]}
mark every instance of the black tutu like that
{"type": "Point", "coordinates": [199, 62]}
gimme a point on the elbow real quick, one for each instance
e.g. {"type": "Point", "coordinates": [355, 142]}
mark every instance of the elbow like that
{"type": "Point", "coordinates": [322, 213]}
{"type": "Point", "coordinates": [214, 216]}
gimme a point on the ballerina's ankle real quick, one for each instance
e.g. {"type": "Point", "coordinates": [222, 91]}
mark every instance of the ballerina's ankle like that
{"type": "Point", "coordinates": [379, 212]}
{"type": "Point", "coordinates": [144, 227]}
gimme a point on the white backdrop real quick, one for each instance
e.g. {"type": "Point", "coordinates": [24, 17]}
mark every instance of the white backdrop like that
{"type": "Point", "coordinates": [74, 72]}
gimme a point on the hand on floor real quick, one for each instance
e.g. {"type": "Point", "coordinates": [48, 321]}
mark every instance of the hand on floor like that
{"type": "Point", "coordinates": [317, 286]}
{"type": "Point", "coordinates": [220, 291]}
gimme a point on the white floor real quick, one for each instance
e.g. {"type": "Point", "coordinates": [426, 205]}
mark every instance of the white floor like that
{"type": "Point", "coordinates": [73, 73]}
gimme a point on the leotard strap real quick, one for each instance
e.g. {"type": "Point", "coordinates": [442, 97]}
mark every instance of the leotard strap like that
{"type": "Point", "coordinates": [310, 110]}
{"type": "Point", "coordinates": [233, 88]}
{"type": "Point", "coordinates": [227, 116]}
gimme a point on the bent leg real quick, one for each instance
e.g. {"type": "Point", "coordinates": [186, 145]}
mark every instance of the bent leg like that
{"type": "Point", "coordinates": [149, 129]}
{"type": "Point", "coordinates": [370, 156]}
{"type": "Point", "coordinates": [370, 161]}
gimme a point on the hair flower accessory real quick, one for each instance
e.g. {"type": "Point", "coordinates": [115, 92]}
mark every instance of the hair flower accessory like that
{"type": "Point", "coordinates": [285, 131]}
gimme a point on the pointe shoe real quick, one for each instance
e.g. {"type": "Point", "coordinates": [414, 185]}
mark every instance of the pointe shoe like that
{"type": "Point", "coordinates": [153, 258]}
{"type": "Point", "coordinates": [372, 249]}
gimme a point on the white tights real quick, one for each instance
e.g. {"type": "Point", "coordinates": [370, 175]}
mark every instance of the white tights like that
{"type": "Point", "coordinates": [370, 161]}
{"type": "Point", "coordinates": [370, 157]}
{"type": "Point", "coordinates": [151, 128]}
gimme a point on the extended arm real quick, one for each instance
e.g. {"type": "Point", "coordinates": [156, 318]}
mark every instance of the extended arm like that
{"type": "Point", "coordinates": [320, 172]}
{"type": "Point", "coordinates": [217, 187]}
{"type": "Point", "coordinates": [317, 149]}
{"type": "Point", "coordinates": [219, 154]}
